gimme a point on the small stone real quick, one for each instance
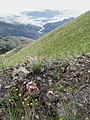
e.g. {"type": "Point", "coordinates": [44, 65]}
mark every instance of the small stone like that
{"type": "Point", "coordinates": [36, 116]}
{"type": "Point", "coordinates": [50, 82]}
{"type": "Point", "coordinates": [0, 86]}
{"type": "Point", "coordinates": [14, 72]}
{"type": "Point", "coordinates": [42, 70]}
{"type": "Point", "coordinates": [22, 71]}
{"type": "Point", "coordinates": [38, 78]}
{"type": "Point", "coordinates": [89, 71]}
{"type": "Point", "coordinates": [7, 87]}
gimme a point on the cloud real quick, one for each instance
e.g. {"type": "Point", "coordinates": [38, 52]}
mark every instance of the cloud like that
{"type": "Point", "coordinates": [14, 6]}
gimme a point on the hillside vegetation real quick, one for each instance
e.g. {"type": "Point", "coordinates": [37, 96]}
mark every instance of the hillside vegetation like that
{"type": "Point", "coordinates": [68, 40]}
{"type": "Point", "coordinates": [11, 42]}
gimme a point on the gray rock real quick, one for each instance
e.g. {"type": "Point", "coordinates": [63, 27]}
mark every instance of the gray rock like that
{"type": "Point", "coordinates": [0, 86]}
{"type": "Point", "coordinates": [22, 71]}
{"type": "Point", "coordinates": [37, 117]}
{"type": "Point", "coordinates": [7, 87]}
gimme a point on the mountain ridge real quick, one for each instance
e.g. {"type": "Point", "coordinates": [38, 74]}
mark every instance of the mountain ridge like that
{"type": "Point", "coordinates": [51, 26]}
{"type": "Point", "coordinates": [29, 30]}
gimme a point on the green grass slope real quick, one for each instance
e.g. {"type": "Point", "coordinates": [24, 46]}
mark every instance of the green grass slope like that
{"type": "Point", "coordinates": [68, 40]}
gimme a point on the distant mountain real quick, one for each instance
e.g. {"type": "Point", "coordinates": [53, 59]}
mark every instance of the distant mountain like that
{"type": "Point", "coordinates": [29, 31]}
{"type": "Point", "coordinates": [11, 42]}
{"type": "Point", "coordinates": [34, 24]}
{"type": "Point", "coordinates": [51, 26]}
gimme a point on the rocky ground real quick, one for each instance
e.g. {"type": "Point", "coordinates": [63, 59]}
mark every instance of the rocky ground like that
{"type": "Point", "coordinates": [69, 79]}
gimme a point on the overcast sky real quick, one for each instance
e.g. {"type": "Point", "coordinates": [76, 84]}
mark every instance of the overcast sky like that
{"type": "Point", "coordinates": [14, 6]}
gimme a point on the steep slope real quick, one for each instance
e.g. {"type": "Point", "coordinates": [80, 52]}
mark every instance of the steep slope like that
{"type": "Point", "coordinates": [70, 39]}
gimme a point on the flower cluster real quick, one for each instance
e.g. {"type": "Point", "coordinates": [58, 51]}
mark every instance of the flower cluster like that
{"type": "Point", "coordinates": [51, 96]}
{"type": "Point", "coordinates": [32, 89]}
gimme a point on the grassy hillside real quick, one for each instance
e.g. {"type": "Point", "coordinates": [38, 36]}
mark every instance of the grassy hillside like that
{"type": "Point", "coordinates": [70, 39]}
